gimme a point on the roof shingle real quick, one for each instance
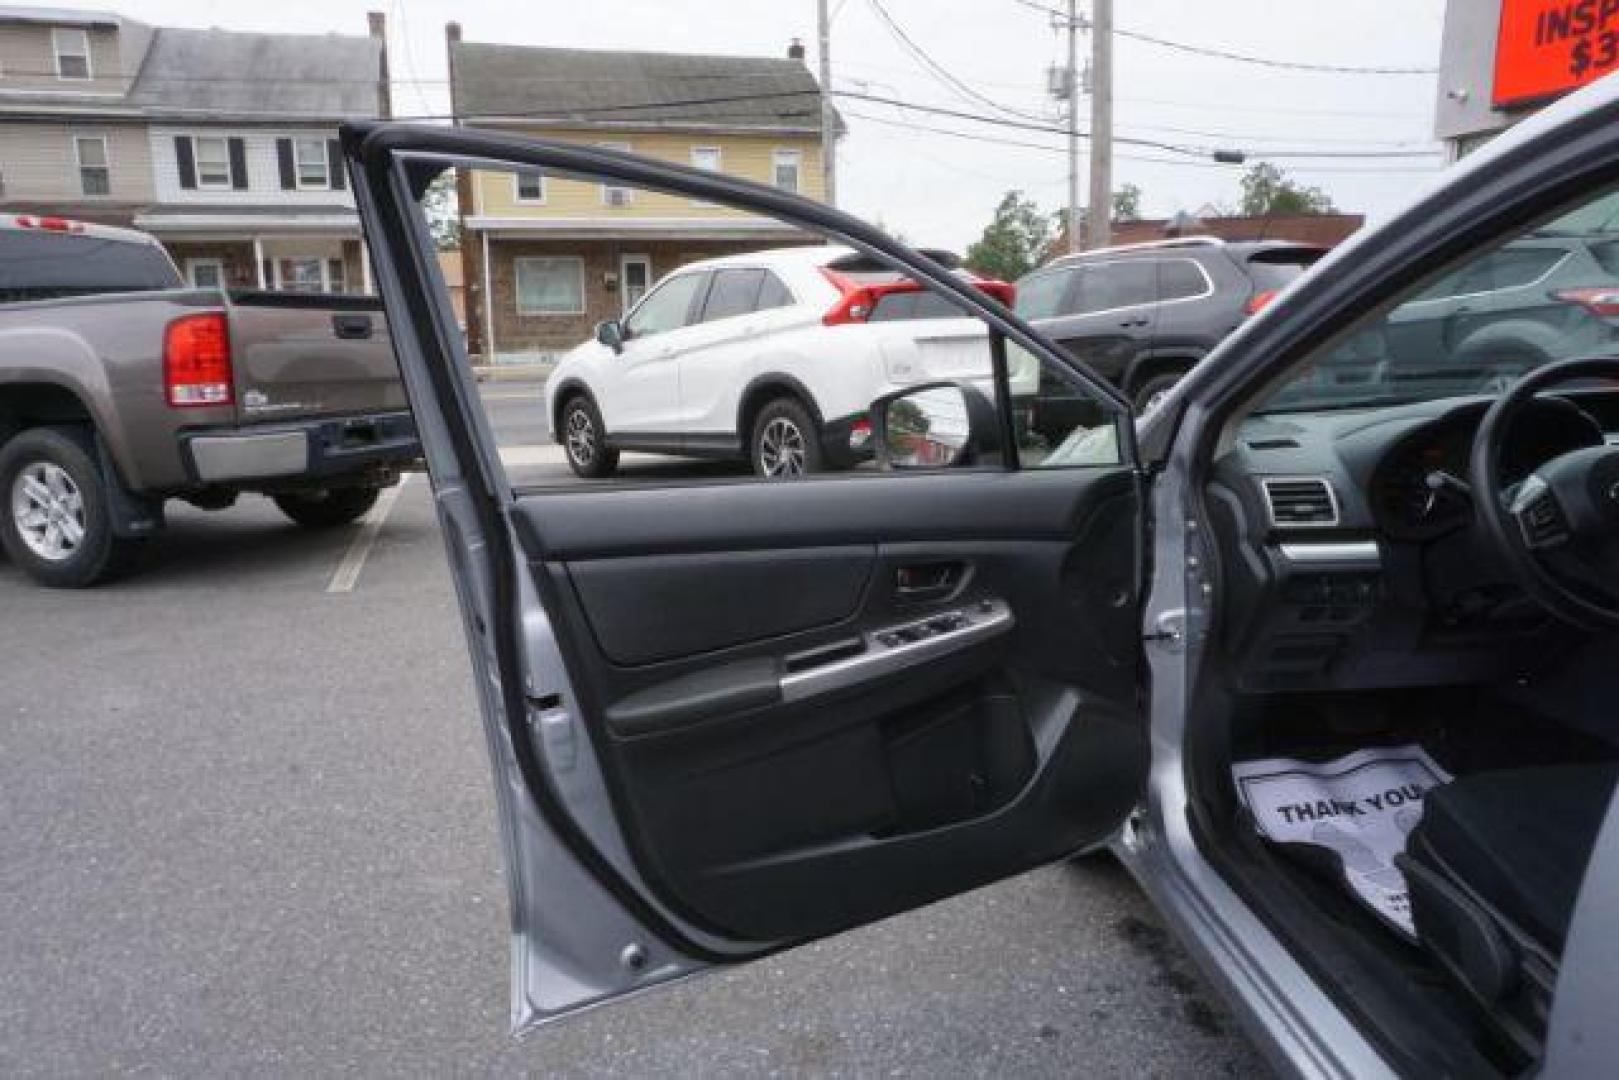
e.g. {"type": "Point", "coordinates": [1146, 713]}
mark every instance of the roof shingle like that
{"type": "Point", "coordinates": [602, 87]}
{"type": "Point", "coordinates": [222, 74]}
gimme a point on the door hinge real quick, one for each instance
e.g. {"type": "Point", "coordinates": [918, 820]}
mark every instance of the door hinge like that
{"type": "Point", "coordinates": [1169, 628]}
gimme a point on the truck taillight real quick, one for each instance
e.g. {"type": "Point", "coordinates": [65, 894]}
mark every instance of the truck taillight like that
{"type": "Point", "coordinates": [196, 361]}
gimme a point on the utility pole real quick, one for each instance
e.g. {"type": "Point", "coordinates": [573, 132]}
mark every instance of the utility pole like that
{"type": "Point", "coordinates": [829, 117]}
{"type": "Point", "coordinates": [1101, 216]}
{"type": "Point", "coordinates": [1075, 242]}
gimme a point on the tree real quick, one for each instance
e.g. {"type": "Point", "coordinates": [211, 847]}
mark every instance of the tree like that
{"type": "Point", "coordinates": [1016, 239]}
{"type": "Point", "coordinates": [441, 208]}
{"type": "Point", "coordinates": [1127, 203]}
{"type": "Point", "coordinates": [1267, 191]}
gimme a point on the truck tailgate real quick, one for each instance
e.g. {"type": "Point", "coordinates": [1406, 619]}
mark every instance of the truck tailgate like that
{"type": "Point", "coordinates": [298, 355]}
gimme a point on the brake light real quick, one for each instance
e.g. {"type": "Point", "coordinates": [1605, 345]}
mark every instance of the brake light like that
{"type": "Point", "coordinates": [1602, 301]}
{"type": "Point", "coordinates": [858, 301]}
{"type": "Point", "coordinates": [50, 224]}
{"type": "Point", "coordinates": [1259, 301]}
{"type": "Point", "coordinates": [196, 361]}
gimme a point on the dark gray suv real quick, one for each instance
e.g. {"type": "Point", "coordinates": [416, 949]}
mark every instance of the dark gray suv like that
{"type": "Point", "coordinates": [1142, 315]}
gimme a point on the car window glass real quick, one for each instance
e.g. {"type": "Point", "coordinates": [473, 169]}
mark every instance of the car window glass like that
{"type": "Point", "coordinates": [1040, 296]}
{"type": "Point", "coordinates": [1539, 301]}
{"type": "Point", "coordinates": [734, 292]}
{"type": "Point", "coordinates": [668, 307]}
{"type": "Point", "coordinates": [1109, 286]}
{"type": "Point", "coordinates": [41, 265]}
{"type": "Point", "coordinates": [1179, 279]}
{"type": "Point", "coordinates": [773, 294]}
{"type": "Point", "coordinates": [758, 398]}
{"type": "Point", "coordinates": [1273, 269]}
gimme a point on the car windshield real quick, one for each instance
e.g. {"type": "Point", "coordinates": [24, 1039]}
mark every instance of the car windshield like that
{"type": "Point", "coordinates": [1549, 293]}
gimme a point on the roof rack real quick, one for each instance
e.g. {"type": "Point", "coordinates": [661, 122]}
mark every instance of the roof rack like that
{"type": "Point", "coordinates": [1176, 242]}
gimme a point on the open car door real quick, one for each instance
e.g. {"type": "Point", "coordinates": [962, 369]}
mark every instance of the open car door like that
{"type": "Point", "coordinates": [728, 716]}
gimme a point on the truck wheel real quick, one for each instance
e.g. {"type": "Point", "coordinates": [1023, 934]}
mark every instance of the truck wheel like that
{"type": "Point", "coordinates": [583, 439]}
{"type": "Point", "coordinates": [1150, 394]}
{"type": "Point", "coordinates": [55, 524]}
{"type": "Point", "coordinates": [785, 443]}
{"type": "Point", "coordinates": [330, 508]}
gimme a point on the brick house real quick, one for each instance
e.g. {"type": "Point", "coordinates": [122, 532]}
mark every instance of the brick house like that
{"type": "Point", "coordinates": [221, 144]}
{"type": "Point", "coordinates": [546, 258]}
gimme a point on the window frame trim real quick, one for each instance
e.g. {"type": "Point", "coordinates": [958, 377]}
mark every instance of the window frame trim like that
{"type": "Point", "coordinates": [1453, 297]}
{"type": "Point", "coordinates": [604, 187]}
{"type": "Point", "coordinates": [298, 166]}
{"type": "Point", "coordinates": [519, 198]}
{"type": "Point", "coordinates": [204, 260]}
{"type": "Point", "coordinates": [797, 156]}
{"type": "Point", "coordinates": [79, 138]}
{"type": "Point", "coordinates": [196, 162]}
{"type": "Point", "coordinates": [57, 52]}
{"type": "Point", "coordinates": [517, 290]}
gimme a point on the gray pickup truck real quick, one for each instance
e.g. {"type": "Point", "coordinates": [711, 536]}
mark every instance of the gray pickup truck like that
{"type": "Point", "coordinates": [121, 388]}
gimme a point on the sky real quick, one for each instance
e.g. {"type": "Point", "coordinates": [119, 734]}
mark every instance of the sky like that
{"type": "Point", "coordinates": [899, 166]}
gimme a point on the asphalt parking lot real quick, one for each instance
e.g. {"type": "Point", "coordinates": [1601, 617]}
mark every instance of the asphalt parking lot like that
{"type": "Point", "coordinates": [248, 829]}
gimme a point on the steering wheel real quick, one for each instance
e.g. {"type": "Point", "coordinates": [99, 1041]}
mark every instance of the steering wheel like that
{"type": "Point", "coordinates": [1557, 529]}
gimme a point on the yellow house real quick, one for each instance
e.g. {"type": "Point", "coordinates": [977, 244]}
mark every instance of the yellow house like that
{"type": "Point", "coordinates": [545, 257]}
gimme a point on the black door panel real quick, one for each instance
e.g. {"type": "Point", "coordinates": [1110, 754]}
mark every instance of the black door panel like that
{"type": "Point", "coordinates": [762, 816]}
{"type": "Point", "coordinates": [703, 602]}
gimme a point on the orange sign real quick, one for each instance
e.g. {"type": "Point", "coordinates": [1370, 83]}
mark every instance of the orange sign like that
{"type": "Point", "coordinates": [1549, 47]}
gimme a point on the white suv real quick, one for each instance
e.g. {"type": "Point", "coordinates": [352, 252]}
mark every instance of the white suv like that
{"type": "Point", "coordinates": [774, 356]}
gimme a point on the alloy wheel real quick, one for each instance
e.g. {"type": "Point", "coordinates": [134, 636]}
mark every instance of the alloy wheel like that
{"type": "Point", "coordinates": [48, 510]}
{"type": "Point", "coordinates": [781, 449]}
{"type": "Point", "coordinates": [581, 437]}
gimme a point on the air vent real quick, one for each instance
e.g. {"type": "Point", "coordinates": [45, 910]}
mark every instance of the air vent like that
{"type": "Point", "coordinates": [1301, 501]}
{"type": "Point", "coordinates": [1272, 444]}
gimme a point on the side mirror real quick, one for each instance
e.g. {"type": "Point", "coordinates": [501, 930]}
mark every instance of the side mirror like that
{"type": "Point", "coordinates": [611, 334]}
{"type": "Point", "coordinates": [935, 426]}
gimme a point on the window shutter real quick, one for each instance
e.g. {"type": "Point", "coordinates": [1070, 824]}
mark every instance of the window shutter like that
{"type": "Point", "coordinates": [283, 153]}
{"type": "Point", "coordinates": [186, 161]}
{"type": "Point", "coordinates": [334, 163]}
{"type": "Point", "coordinates": [238, 164]}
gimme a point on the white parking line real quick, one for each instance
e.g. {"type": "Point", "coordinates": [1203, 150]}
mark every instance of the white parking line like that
{"type": "Point", "coordinates": [348, 571]}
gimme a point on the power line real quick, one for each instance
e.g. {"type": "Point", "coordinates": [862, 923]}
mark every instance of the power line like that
{"type": "Point", "coordinates": [1190, 163]}
{"type": "Point", "coordinates": [1241, 58]}
{"type": "Point", "coordinates": [939, 71]}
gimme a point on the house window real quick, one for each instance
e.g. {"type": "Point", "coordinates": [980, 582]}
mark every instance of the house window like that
{"type": "Point", "coordinates": [530, 186]}
{"type": "Point", "coordinates": [635, 278]}
{"type": "Point", "coordinates": [550, 286]}
{"type": "Point", "coordinates": [708, 159]}
{"type": "Point", "coordinates": [301, 275]}
{"type": "Point", "coordinates": [785, 167]}
{"type": "Point", "coordinates": [95, 177]}
{"type": "Point", "coordinates": [213, 162]}
{"type": "Point", "coordinates": [206, 273]}
{"type": "Point", "coordinates": [615, 194]}
{"type": "Point", "coordinates": [72, 53]}
{"type": "Point", "coordinates": [309, 157]}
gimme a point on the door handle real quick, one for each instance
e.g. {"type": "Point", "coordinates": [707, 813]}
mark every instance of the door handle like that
{"type": "Point", "coordinates": [1140, 321]}
{"type": "Point", "coordinates": [352, 327]}
{"type": "Point", "coordinates": [928, 581]}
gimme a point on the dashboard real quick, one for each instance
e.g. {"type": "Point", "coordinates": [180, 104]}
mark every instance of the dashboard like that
{"type": "Point", "coordinates": [1346, 548]}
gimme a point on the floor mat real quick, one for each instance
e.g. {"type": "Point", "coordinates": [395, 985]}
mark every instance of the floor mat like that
{"type": "Point", "coordinates": [1354, 811]}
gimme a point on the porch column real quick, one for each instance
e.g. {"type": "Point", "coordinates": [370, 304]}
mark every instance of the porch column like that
{"type": "Point", "coordinates": [365, 267]}
{"type": "Point", "coordinates": [258, 262]}
{"type": "Point", "coordinates": [488, 305]}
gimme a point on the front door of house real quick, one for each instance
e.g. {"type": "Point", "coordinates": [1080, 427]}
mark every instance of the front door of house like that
{"type": "Point", "coordinates": [635, 277]}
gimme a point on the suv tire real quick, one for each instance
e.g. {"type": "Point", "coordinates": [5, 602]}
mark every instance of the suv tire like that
{"type": "Point", "coordinates": [582, 439]}
{"type": "Point", "coordinates": [1148, 393]}
{"type": "Point", "coordinates": [330, 508]}
{"type": "Point", "coordinates": [786, 442]}
{"type": "Point", "coordinates": [54, 519]}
